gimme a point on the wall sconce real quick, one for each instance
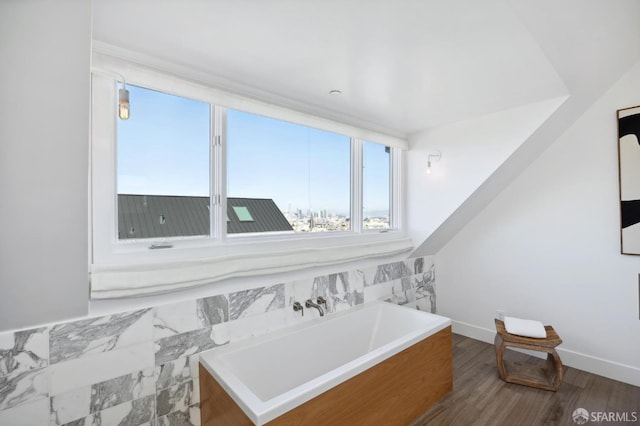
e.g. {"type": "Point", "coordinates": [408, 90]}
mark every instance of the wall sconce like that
{"type": "Point", "coordinates": [123, 94]}
{"type": "Point", "coordinates": [123, 101]}
{"type": "Point", "coordinates": [434, 156]}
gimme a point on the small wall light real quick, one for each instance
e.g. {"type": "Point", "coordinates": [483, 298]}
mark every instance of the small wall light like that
{"type": "Point", "coordinates": [434, 156]}
{"type": "Point", "coordinates": [123, 102]}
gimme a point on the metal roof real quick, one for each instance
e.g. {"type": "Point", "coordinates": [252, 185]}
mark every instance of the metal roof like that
{"type": "Point", "coordinates": [266, 214]}
{"type": "Point", "coordinates": [161, 216]}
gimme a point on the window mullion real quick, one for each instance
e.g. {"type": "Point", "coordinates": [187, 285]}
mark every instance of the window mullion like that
{"type": "Point", "coordinates": [356, 184]}
{"type": "Point", "coordinates": [395, 188]}
{"type": "Point", "coordinates": [218, 173]}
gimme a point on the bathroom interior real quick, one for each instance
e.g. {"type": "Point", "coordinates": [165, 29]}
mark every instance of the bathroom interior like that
{"type": "Point", "coordinates": [501, 188]}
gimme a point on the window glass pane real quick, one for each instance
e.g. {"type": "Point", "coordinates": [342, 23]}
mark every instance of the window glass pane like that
{"type": "Point", "coordinates": [376, 184]}
{"type": "Point", "coordinates": [163, 167]}
{"type": "Point", "coordinates": [297, 179]}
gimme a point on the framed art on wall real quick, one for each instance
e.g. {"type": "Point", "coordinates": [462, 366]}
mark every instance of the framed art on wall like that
{"type": "Point", "coordinates": [629, 175]}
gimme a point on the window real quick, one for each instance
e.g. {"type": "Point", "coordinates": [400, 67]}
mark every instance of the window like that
{"type": "Point", "coordinates": [305, 171]}
{"type": "Point", "coordinates": [281, 177]}
{"type": "Point", "coordinates": [376, 184]}
{"type": "Point", "coordinates": [163, 167]}
{"type": "Point", "coordinates": [229, 187]}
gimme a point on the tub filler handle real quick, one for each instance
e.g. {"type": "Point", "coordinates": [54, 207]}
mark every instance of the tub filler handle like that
{"type": "Point", "coordinates": [298, 307]}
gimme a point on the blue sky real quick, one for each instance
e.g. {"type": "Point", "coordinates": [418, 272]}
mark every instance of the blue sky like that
{"type": "Point", "coordinates": [163, 149]}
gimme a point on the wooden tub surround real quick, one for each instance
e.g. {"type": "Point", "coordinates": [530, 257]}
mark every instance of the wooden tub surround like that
{"type": "Point", "coordinates": [395, 391]}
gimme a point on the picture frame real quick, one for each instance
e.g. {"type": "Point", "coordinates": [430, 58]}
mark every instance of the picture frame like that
{"type": "Point", "coordinates": [629, 178]}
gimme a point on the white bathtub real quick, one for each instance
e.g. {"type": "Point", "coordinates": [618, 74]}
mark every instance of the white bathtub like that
{"type": "Point", "coordinates": [269, 375]}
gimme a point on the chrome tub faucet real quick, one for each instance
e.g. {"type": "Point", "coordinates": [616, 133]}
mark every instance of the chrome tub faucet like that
{"type": "Point", "coordinates": [309, 304]}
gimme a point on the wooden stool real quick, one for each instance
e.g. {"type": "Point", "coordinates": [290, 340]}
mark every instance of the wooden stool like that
{"type": "Point", "coordinates": [548, 377]}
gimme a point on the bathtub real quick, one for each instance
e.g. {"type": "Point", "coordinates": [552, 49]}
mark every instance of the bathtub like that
{"type": "Point", "coordinates": [280, 375]}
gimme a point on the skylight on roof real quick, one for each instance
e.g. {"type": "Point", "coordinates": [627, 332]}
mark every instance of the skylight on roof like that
{"type": "Point", "coordinates": [243, 214]}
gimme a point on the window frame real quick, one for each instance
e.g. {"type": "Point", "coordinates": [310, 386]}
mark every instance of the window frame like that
{"type": "Point", "coordinates": [107, 249]}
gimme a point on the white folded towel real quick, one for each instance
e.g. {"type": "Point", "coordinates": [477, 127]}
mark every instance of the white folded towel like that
{"type": "Point", "coordinates": [522, 327]}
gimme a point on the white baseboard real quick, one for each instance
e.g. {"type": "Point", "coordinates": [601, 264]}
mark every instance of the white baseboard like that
{"type": "Point", "coordinates": [602, 367]}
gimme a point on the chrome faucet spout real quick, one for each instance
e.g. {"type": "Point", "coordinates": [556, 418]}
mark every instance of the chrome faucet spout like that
{"type": "Point", "coordinates": [310, 304]}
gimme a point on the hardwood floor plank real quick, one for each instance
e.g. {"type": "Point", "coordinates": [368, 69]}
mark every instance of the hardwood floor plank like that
{"type": "Point", "coordinates": [480, 397]}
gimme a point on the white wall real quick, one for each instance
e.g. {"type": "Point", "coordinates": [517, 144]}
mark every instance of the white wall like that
{"type": "Point", "coordinates": [44, 129]}
{"type": "Point", "coordinates": [548, 248]}
{"type": "Point", "coordinates": [471, 151]}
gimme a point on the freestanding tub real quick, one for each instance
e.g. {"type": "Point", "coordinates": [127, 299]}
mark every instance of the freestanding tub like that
{"type": "Point", "coordinates": [378, 363]}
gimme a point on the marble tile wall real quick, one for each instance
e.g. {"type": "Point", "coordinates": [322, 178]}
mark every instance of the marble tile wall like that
{"type": "Point", "coordinates": [141, 367]}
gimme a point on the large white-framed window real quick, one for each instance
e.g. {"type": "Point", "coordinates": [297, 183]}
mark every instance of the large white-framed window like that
{"type": "Point", "coordinates": [201, 185]}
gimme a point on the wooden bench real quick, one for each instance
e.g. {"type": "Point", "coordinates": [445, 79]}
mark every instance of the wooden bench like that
{"type": "Point", "coordinates": [548, 377]}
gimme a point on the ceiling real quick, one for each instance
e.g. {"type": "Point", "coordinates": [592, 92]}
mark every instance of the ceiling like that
{"type": "Point", "coordinates": [402, 65]}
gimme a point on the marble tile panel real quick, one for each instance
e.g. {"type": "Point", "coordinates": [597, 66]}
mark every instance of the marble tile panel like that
{"type": "Point", "coordinates": [344, 301]}
{"type": "Point", "coordinates": [213, 310]}
{"type": "Point", "coordinates": [195, 397]}
{"type": "Point", "coordinates": [368, 274]}
{"type": "Point", "coordinates": [188, 417]}
{"type": "Point", "coordinates": [23, 387]}
{"type": "Point", "coordinates": [176, 398]}
{"type": "Point", "coordinates": [415, 265]}
{"type": "Point", "coordinates": [357, 279]}
{"type": "Point", "coordinates": [381, 291]}
{"type": "Point", "coordinates": [326, 285]}
{"type": "Point", "coordinates": [426, 292]}
{"type": "Point", "coordinates": [346, 292]}
{"type": "Point", "coordinates": [132, 413]}
{"type": "Point", "coordinates": [341, 290]}
{"type": "Point", "coordinates": [175, 318]}
{"type": "Point", "coordinates": [194, 362]}
{"type": "Point", "coordinates": [402, 292]}
{"type": "Point", "coordinates": [122, 389]}
{"type": "Point", "coordinates": [429, 264]}
{"type": "Point", "coordinates": [260, 324]}
{"type": "Point", "coordinates": [100, 367]}
{"type": "Point", "coordinates": [24, 350]}
{"type": "Point", "coordinates": [80, 338]}
{"type": "Point", "coordinates": [70, 406]}
{"type": "Point", "coordinates": [310, 288]}
{"type": "Point", "coordinates": [426, 304]}
{"type": "Point", "coordinates": [174, 372]}
{"type": "Point", "coordinates": [407, 283]}
{"type": "Point", "coordinates": [391, 272]}
{"type": "Point", "coordinates": [289, 293]}
{"type": "Point", "coordinates": [424, 285]}
{"type": "Point", "coordinates": [337, 289]}
{"type": "Point", "coordinates": [256, 301]}
{"type": "Point", "coordinates": [173, 347]}
{"type": "Point", "coordinates": [296, 291]}
{"type": "Point", "coordinates": [34, 413]}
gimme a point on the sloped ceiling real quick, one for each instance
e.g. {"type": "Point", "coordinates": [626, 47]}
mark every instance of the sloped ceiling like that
{"type": "Point", "coordinates": [591, 44]}
{"type": "Point", "coordinates": [402, 66]}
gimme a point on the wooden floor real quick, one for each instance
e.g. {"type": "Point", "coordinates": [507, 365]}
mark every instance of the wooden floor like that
{"type": "Point", "coordinates": [479, 397]}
